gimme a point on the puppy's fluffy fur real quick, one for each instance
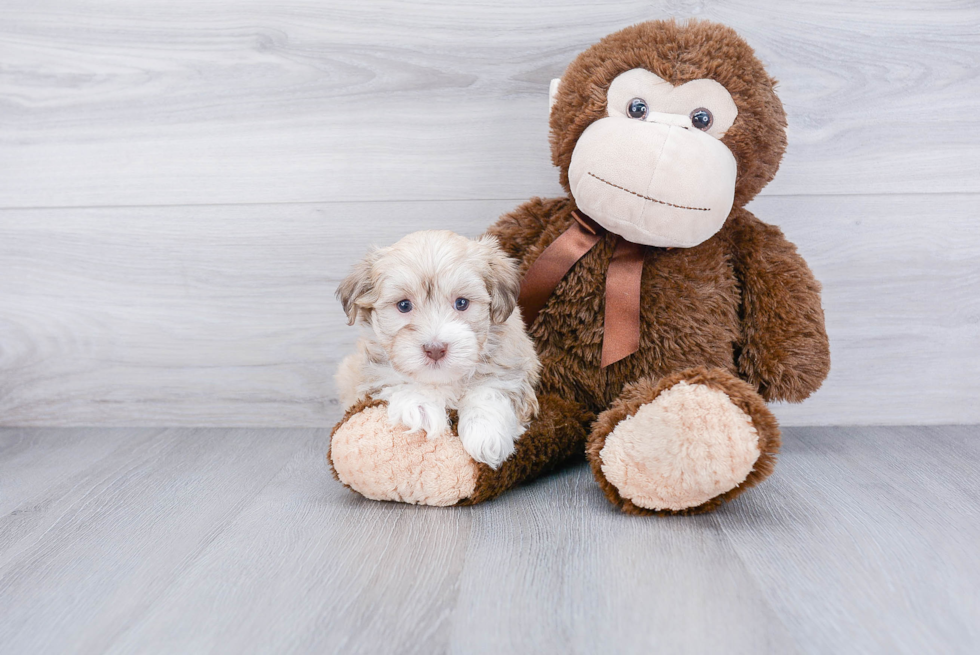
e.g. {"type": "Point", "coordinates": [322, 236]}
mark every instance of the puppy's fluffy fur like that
{"type": "Point", "coordinates": [488, 368]}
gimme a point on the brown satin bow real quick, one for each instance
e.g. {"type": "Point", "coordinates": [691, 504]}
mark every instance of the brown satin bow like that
{"type": "Point", "coordinates": [621, 324]}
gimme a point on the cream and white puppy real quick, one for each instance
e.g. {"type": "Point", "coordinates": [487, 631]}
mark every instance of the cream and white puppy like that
{"type": "Point", "coordinates": [444, 332]}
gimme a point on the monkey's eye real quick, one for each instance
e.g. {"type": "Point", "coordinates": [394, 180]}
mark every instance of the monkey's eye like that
{"type": "Point", "coordinates": [404, 306]}
{"type": "Point", "coordinates": [637, 108]}
{"type": "Point", "coordinates": [701, 118]}
{"type": "Point", "coordinates": [461, 304]}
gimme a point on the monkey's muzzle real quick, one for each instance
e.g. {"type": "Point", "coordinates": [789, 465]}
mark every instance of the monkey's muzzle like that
{"type": "Point", "coordinates": [658, 182]}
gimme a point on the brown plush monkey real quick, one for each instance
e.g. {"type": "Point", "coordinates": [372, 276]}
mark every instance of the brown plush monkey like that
{"type": "Point", "coordinates": [665, 314]}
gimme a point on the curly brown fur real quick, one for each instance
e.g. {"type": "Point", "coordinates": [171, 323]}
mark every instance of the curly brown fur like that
{"type": "Point", "coordinates": [783, 346]}
{"type": "Point", "coordinates": [689, 313]}
{"type": "Point", "coordinates": [646, 390]}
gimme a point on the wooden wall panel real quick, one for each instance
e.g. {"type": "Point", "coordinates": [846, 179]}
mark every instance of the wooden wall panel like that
{"type": "Point", "coordinates": [182, 184]}
{"type": "Point", "coordinates": [226, 315]}
{"type": "Point", "coordinates": [184, 102]}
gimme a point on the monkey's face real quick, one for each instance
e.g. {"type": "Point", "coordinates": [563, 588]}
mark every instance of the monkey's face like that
{"type": "Point", "coordinates": [661, 128]}
{"type": "Point", "coordinates": [654, 169]}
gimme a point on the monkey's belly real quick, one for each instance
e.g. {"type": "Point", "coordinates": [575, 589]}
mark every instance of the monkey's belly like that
{"type": "Point", "coordinates": [688, 318]}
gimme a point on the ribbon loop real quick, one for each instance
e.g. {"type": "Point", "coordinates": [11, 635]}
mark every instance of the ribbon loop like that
{"type": "Point", "coordinates": [552, 265]}
{"type": "Point", "coordinates": [621, 323]}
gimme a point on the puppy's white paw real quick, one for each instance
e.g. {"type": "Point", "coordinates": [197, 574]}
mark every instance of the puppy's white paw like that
{"type": "Point", "coordinates": [486, 440]}
{"type": "Point", "coordinates": [416, 412]}
{"type": "Point", "coordinates": [488, 426]}
{"type": "Point", "coordinates": [435, 422]}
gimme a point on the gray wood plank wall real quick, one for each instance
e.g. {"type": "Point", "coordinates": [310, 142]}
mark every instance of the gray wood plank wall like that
{"type": "Point", "coordinates": [182, 185]}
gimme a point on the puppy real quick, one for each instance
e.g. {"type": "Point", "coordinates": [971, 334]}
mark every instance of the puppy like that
{"type": "Point", "coordinates": [444, 333]}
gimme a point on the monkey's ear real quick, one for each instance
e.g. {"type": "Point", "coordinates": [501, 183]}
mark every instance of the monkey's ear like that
{"type": "Point", "coordinates": [357, 286]}
{"type": "Point", "coordinates": [553, 92]}
{"type": "Point", "coordinates": [502, 279]}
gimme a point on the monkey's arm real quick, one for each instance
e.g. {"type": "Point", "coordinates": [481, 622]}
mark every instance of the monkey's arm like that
{"type": "Point", "coordinates": [521, 228]}
{"type": "Point", "coordinates": [783, 345]}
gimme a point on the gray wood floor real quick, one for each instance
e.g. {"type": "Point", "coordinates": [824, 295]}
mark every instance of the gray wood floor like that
{"type": "Point", "coordinates": [237, 540]}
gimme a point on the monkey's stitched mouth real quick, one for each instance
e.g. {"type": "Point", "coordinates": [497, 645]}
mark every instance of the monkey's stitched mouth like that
{"type": "Point", "coordinates": [640, 195]}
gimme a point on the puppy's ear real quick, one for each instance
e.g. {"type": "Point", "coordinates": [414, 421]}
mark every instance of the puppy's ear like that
{"type": "Point", "coordinates": [358, 286]}
{"type": "Point", "coordinates": [502, 278]}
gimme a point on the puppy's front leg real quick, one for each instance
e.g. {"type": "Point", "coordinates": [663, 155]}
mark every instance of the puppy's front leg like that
{"type": "Point", "coordinates": [488, 425]}
{"type": "Point", "coordinates": [416, 411]}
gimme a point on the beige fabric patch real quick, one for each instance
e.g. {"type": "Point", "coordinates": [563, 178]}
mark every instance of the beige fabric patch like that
{"type": "Point", "coordinates": [655, 184]}
{"type": "Point", "coordinates": [382, 462]}
{"type": "Point", "coordinates": [684, 448]}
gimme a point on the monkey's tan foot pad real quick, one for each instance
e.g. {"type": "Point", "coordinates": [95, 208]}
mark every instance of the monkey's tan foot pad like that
{"type": "Point", "coordinates": [383, 462]}
{"type": "Point", "coordinates": [688, 449]}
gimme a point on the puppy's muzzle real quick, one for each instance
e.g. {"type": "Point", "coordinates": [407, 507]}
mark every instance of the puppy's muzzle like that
{"type": "Point", "coordinates": [435, 351]}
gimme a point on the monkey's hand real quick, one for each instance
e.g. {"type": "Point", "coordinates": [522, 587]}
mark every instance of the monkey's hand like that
{"type": "Point", "coordinates": [784, 351]}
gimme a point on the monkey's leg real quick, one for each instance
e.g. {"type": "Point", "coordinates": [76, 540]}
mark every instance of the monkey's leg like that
{"type": "Point", "coordinates": [683, 444]}
{"type": "Point", "coordinates": [384, 462]}
{"type": "Point", "coordinates": [555, 436]}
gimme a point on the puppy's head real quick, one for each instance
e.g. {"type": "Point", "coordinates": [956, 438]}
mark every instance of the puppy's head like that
{"type": "Point", "coordinates": [432, 299]}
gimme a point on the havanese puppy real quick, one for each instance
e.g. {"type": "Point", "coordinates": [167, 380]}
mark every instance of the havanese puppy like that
{"type": "Point", "coordinates": [444, 332]}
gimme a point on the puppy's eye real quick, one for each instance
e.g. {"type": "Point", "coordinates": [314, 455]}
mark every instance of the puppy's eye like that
{"type": "Point", "coordinates": [404, 306]}
{"type": "Point", "coordinates": [637, 108]}
{"type": "Point", "coordinates": [461, 304]}
{"type": "Point", "coordinates": [701, 118]}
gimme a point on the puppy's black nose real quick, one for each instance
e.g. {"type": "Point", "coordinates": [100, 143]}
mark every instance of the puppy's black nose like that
{"type": "Point", "coordinates": [435, 351]}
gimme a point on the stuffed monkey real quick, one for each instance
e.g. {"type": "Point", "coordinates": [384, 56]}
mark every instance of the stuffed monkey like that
{"type": "Point", "coordinates": [664, 313]}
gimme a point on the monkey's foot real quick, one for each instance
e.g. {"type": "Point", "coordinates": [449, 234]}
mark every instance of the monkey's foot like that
{"type": "Point", "coordinates": [684, 444]}
{"type": "Point", "coordinates": [384, 462]}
